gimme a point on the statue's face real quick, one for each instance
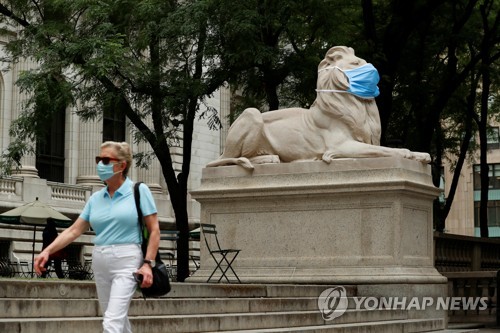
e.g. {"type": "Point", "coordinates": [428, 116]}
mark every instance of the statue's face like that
{"type": "Point", "coordinates": [347, 60]}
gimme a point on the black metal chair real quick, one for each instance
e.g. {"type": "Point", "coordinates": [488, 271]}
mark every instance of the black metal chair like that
{"type": "Point", "coordinates": [87, 265]}
{"type": "Point", "coordinates": [196, 262]}
{"type": "Point", "coordinates": [172, 236]}
{"type": "Point", "coordinates": [73, 269]}
{"type": "Point", "coordinates": [223, 257]}
{"type": "Point", "coordinates": [25, 269]}
{"type": "Point", "coordinates": [6, 269]}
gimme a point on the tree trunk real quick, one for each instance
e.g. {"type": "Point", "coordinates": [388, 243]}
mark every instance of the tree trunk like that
{"type": "Point", "coordinates": [483, 215]}
{"type": "Point", "coordinates": [179, 203]}
{"type": "Point", "coordinates": [483, 206]}
{"type": "Point", "coordinates": [461, 159]}
{"type": "Point", "coordinates": [439, 220]}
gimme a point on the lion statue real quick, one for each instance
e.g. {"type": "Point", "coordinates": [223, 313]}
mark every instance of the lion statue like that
{"type": "Point", "coordinates": [343, 121]}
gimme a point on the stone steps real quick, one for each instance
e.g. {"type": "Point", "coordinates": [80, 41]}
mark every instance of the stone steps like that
{"type": "Point", "coordinates": [354, 321]}
{"type": "Point", "coordinates": [40, 305]}
{"type": "Point", "coordinates": [393, 326]}
{"type": "Point", "coordinates": [81, 307]}
{"type": "Point", "coordinates": [29, 308]}
{"type": "Point", "coordinates": [145, 325]}
{"type": "Point", "coordinates": [70, 289]}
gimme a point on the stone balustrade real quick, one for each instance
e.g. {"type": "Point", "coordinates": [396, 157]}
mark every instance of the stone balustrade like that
{"type": "Point", "coordinates": [469, 287]}
{"type": "Point", "coordinates": [65, 198]}
{"type": "Point", "coordinates": [472, 266]}
{"type": "Point", "coordinates": [73, 193]}
{"type": "Point", "coordinates": [456, 253]}
{"type": "Point", "coordinates": [8, 185]}
{"type": "Point", "coordinates": [69, 199]}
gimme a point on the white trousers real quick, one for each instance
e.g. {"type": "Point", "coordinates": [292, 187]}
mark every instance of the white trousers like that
{"type": "Point", "coordinates": [113, 266]}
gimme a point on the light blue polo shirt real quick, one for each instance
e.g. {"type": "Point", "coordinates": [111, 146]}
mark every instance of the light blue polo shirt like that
{"type": "Point", "coordinates": [114, 219]}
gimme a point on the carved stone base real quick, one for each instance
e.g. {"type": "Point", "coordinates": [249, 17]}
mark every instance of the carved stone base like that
{"type": "Point", "coordinates": [354, 221]}
{"type": "Point", "coordinates": [90, 180]}
{"type": "Point", "coordinates": [26, 171]}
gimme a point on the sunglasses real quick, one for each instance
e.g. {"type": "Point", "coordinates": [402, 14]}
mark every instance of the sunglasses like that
{"type": "Point", "coordinates": [105, 160]}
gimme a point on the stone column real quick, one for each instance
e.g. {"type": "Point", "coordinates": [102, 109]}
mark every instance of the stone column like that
{"type": "Point", "coordinates": [225, 109]}
{"type": "Point", "coordinates": [90, 139]}
{"type": "Point", "coordinates": [72, 153]}
{"type": "Point", "coordinates": [28, 162]}
{"type": "Point", "coordinates": [150, 176]}
{"type": "Point", "coordinates": [6, 95]}
{"type": "Point", "coordinates": [154, 179]}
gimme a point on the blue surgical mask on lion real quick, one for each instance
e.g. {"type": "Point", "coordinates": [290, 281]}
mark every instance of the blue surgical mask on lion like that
{"type": "Point", "coordinates": [362, 81]}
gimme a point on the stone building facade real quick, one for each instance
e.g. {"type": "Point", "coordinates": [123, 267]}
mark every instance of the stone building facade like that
{"type": "Point", "coordinates": [463, 218]}
{"type": "Point", "coordinates": [63, 174]}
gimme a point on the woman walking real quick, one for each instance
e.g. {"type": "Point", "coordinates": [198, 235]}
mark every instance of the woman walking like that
{"type": "Point", "coordinates": [117, 254]}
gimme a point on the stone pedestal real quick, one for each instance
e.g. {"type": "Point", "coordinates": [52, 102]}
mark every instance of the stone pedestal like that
{"type": "Point", "coordinates": [354, 221]}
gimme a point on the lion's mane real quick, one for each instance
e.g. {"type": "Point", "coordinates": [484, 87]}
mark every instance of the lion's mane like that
{"type": "Point", "coordinates": [359, 114]}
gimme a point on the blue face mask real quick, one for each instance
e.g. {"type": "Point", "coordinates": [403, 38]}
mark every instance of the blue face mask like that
{"type": "Point", "coordinates": [362, 81]}
{"type": "Point", "coordinates": [105, 171]}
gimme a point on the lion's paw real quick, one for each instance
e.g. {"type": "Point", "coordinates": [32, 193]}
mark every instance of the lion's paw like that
{"type": "Point", "coordinates": [328, 157]}
{"type": "Point", "coordinates": [265, 159]}
{"type": "Point", "coordinates": [421, 157]}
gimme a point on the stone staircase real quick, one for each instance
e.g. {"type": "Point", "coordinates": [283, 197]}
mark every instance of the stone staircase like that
{"type": "Point", "coordinates": [29, 306]}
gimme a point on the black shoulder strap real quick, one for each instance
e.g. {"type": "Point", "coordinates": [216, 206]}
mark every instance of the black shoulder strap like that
{"type": "Point", "coordinates": [144, 246]}
{"type": "Point", "coordinates": [137, 197]}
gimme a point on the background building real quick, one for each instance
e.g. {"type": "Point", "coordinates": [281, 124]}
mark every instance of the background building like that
{"type": "Point", "coordinates": [463, 218]}
{"type": "Point", "coordinates": [62, 174]}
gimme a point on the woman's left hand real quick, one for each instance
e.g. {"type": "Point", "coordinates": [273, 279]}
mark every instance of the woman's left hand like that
{"type": "Point", "coordinates": [147, 275]}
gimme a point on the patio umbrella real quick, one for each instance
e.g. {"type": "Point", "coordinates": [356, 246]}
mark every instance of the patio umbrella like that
{"type": "Point", "coordinates": [195, 234]}
{"type": "Point", "coordinates": [36, 214]}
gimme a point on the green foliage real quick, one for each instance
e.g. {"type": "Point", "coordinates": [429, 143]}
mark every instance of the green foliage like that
{"type": "Point", "coordinates": [152, 58]}
{"type": "Point", "coordinates": [163, 59]}
{"type": "Point", "coordinates": [11, 157]}
{"type": "Point", "coordinates": [148, 52]}
{"type": "Point", "coordinates": [274, 47]}
{"type": "Point", "coordinates": [102, 51]}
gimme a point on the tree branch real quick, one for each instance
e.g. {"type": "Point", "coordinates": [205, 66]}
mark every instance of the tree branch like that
{"type": "Point", "coordinates": [6, 12]}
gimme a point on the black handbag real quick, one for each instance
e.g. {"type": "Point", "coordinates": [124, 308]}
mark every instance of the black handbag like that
{"type": "Point", "coordinates": [161, 283]}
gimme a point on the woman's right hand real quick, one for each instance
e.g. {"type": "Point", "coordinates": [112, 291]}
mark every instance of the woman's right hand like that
{"type": "Point", "coordinates": [40, 261]}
